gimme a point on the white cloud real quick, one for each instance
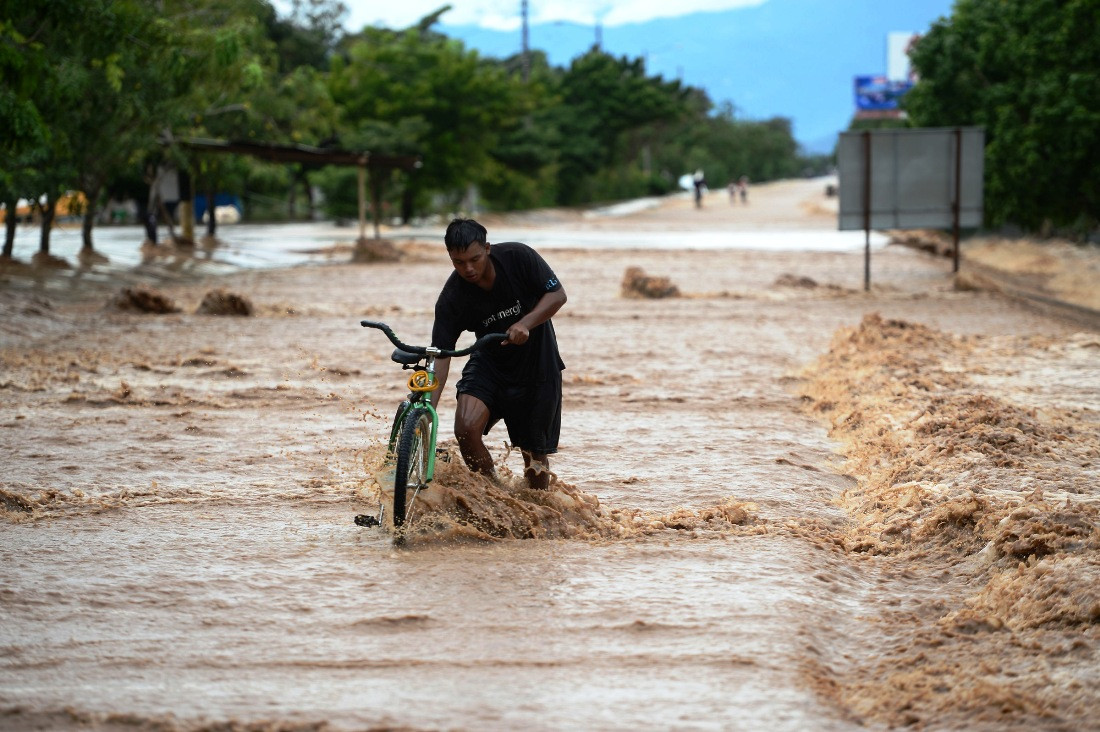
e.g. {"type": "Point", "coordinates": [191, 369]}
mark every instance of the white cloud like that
{"type": "Point", "coordinates": [506, 14]}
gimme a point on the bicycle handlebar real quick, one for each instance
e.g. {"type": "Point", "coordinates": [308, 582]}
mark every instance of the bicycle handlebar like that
{"type": "Point", "coordinates": [443, 353]}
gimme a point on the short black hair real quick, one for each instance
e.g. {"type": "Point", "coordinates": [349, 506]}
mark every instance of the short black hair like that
{"type": "Point", "coordinates": [461, 233]}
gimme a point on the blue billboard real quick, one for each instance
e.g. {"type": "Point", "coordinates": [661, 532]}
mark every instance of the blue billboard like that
{"type": "Point", "coordinates": [876, 93]}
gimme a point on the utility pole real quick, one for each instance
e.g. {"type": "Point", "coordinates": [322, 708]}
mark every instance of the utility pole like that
{"type": "Point", "coordinates": [526, 45]}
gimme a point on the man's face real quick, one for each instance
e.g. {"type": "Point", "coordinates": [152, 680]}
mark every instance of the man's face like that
{"type": "Point", "coordinates": [472, 263]}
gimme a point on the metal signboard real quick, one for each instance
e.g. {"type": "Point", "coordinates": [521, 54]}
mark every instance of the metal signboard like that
{"type": "Point", "coordinates": [911, 178]}
{"type": "Point", "coordinates": [920, 178]}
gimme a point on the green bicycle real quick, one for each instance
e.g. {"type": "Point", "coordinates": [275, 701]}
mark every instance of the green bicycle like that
{"type": "Point", "coordinates": [415, 427]}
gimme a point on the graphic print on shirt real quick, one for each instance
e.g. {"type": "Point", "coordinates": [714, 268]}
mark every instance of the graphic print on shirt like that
{"type": "Point", "coordinates": [502, 314]}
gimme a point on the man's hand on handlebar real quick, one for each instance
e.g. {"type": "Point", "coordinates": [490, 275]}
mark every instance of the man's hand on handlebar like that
{"type": "Point", "coordinates": [517, 335]}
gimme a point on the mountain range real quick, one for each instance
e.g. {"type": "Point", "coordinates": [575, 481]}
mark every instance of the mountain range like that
{"type": "Point", "coordinates": [783, 58]}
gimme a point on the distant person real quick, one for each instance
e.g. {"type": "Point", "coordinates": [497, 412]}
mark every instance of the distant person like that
{"type": "Point", "coordinates": [743, 188]}
{"type": "Point", "coordinates": [700, 182]}
{"type": "Point", "coordinates": [502, 288]}
{"type": "Point", "coordinates": [732, 188]}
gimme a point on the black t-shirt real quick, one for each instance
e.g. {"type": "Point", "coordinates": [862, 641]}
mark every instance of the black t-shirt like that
{"type": "Point", "coordinates": [522, 278]}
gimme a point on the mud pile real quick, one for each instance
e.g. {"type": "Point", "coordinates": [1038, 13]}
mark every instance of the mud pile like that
{"type": "Point", "coordinates": [375, 250]}
{"type": "Point", "coordinates": [926, 240]}
{"type": "Point", "coordinates": [221, 302]}
{"type": "Point", "coordinates": [142, 299]}
{"type": "Point", "coordinates": [796, 281]}
{"type": "Point", "coordinates": [462, 506]}
{"type": "Point", "coordinates": [954, 479]}
{"type": "Point", "coordinates": [637, 284]}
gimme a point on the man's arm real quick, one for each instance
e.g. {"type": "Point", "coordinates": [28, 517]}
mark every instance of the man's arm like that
{"type": "Point", "coordinates": [442, 368]}
{"type": "Point", "coordinates": [544, 309]}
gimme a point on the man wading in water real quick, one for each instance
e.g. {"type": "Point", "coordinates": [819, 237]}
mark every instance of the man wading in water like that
{"type": "Point", "coordinates": [504, 288]}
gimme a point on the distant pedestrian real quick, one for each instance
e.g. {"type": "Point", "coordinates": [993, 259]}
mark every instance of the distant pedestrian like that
{"type": "Point", "coordinates": [732, 188]}
{"type": "Point", "coordinates": [700, 183]}
{"type": "Point", "coordinates": [743, 188]}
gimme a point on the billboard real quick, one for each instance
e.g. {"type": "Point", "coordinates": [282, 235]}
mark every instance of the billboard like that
{"type": "Point", "coordinates": [879, 93]}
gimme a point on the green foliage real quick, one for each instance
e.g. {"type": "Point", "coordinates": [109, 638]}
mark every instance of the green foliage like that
{"type": "Point", "coordinates": [603, 100]}
{"type": "Point", "coordinates": [879, 123]}
{"type": "Point", "coordinates": [307, 36]}
{"type": "Point", "coordinates": [416, 92]}
{"type": "Point", "coordinates": [1028, 71]}
{"type": "Point", "coordinates": [339, 187]}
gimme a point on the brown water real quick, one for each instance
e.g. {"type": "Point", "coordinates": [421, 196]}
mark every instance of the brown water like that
{"type": "Point", "coordinates": [725, 547]}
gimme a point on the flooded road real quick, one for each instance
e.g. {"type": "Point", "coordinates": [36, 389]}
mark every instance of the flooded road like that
{"type": "Point", "coordinates": [725, 547]}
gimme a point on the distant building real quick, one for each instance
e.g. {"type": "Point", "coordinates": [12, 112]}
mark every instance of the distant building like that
{"type": "Point", "coordinates": [898, 46]}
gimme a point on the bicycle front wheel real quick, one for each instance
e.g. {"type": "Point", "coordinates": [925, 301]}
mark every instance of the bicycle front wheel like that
{"type": "Point", "coordinates": [413, 445]}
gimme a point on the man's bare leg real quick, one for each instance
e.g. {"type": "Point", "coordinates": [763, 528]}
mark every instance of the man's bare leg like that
{"type": "Point", "coordinates": [536, 468]}
{"type": "Point", "coordinates": [470, 419]}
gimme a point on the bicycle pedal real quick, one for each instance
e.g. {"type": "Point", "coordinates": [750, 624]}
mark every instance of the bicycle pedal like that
{"type": "Point", "coordinates": [363, 519]}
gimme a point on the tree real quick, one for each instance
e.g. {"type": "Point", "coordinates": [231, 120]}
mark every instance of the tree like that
{"type": "Point", "coordinates": [230, 59]}
{"type": "Point", "coordinates": [26, 72]}
{"type": "Point", "coordinates": [417, 92]}
{"type": "Point", "coordinates": [1028, 71]}
{"type": "Point", "coordinates": [307, 36]}
{"type": "Point", "coordinates": [523, 165]}
{"type": "Point", "coordinates": [603, 99]}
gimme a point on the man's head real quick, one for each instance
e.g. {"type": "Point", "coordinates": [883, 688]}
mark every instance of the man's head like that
{"type": "Point", "coordinates": [469, 251]}
{"type": "Point", "coordinates": [461, 233]}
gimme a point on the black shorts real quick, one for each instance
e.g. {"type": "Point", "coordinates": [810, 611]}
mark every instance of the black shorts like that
{"type": "Point", "coordinates": [531, 411]}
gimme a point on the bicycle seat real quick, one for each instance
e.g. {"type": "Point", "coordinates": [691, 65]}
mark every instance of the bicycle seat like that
{"type": "Point", "coordinates": [404, 357]}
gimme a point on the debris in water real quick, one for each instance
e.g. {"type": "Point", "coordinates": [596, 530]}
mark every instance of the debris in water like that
{"type": "Point", "coordinates": [790, 280]}
{"type": "Point", "coordinates": [142, 299]}
{"type": "Point", "coordinates": [637, 284]}
{"type": "Point", "coordinates": [221, 302]}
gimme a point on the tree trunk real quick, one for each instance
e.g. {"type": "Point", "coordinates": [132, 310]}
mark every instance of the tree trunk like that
{"type": "Point", "coordinates": [292, 198]}
{"type": "Point", "coordinates": [185, 209]}
{"type": "Point", "coordinates": [311, 205]}
{"type": "Point", "coordinates": [89, 219]}
{"type": "Point", "coordinates": [48, 212]}
{"type": "Point", "coordinates": [152, 206]}
{"type": "Point", "coordinates": [211, 220]}
{"type": "Point", "coordinates": [10, 221]}
{"type": "Point", "coordinates": [407, 204]}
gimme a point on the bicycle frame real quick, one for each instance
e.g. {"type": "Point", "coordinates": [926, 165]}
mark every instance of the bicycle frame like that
{"type": "Point", "coordinates": [423, 400]}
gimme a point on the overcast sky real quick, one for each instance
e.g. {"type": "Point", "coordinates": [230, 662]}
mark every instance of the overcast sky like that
{"type": "Point", "coordinates": [505, 14]}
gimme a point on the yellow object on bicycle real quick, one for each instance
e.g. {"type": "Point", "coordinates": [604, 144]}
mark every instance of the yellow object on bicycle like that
{"type": "Point", "coordinates": [422, 381]}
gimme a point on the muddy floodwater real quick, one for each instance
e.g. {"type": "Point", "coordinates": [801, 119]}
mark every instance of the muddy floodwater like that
{"type": "Point", "coordinates": [781, 502]}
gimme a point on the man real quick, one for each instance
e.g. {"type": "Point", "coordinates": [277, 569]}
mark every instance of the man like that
{"type": "Point", "coordinates": [502, 288]}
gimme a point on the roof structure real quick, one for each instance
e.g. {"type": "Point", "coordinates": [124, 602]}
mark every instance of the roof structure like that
{"type": "Point", "coordinates": [302, 153]}
{"type": "Point", "coordinates": [316, 156]}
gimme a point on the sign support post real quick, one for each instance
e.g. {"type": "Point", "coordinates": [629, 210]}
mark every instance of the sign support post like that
{"type": "Point", "coordinates": [958, 196]}
{"type": "Point", "coordinates": [867, 210]}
